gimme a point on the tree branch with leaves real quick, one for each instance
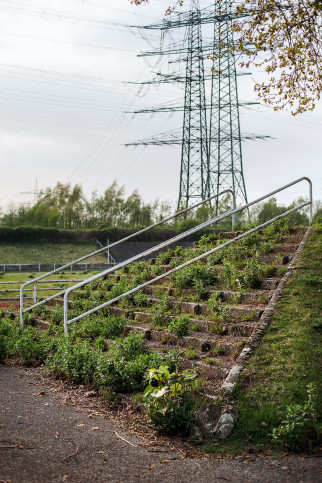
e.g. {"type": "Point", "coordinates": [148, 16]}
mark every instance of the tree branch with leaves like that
{"type": "Point", "coordinates": [286, 36]}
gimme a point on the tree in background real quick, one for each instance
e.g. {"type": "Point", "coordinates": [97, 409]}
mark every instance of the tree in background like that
{"type": "Point", "coordinates": [67, 207]}
{"type": "Point", "coordinates": [270, 209]}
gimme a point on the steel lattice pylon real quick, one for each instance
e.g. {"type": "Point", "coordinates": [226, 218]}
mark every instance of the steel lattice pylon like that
{"type": "Point", "coordinates": [225, 152]}
{"type": "Point", "coordinates": [194, 178]}
{"type": "Point", "coordinates": [210, 140]}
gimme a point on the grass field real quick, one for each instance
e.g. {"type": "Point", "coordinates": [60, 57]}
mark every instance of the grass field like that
{"type": "Point", "coordinates": [62, 280]}
{"type": "Point", "coordinates": [63, 252]}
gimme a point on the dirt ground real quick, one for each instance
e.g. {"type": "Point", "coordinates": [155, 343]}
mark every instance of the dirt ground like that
{"type": "Point", "coordinates": [44, 437]}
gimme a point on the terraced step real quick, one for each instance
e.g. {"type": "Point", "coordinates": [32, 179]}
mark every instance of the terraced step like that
{"type": "Point", "coordinates": [258, 297]}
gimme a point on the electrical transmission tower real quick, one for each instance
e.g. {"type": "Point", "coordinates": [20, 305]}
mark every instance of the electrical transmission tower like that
{"type": "Point", "coordinates": [211, 156]}
{"type": "Point", "coordinates": [225, 150]}
{"type": "Point", "coordinates": [194, 173]}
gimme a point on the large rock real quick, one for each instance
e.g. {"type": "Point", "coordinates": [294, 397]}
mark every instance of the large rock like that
{"type": "Point", "coordinates": [213, 422]}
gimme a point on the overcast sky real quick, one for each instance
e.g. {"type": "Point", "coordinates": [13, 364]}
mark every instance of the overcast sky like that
{"type": "Point", "coordinates": [66, 69]}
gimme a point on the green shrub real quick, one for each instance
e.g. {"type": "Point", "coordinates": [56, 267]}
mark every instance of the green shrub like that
{"type": "Point", "coordinates": [8, 335]}
{"type": "Point", "coordinates": [159, 318]}
{"type": "Point", "coordinates": [74, 361]}
{"type": "Point", "coordinates": [170, 404]}
{"type": "Point", "coordinates": [220, 350]}
{"type": "Point", "coordinates": [299, 427]}
{"type": "Point", "coordinates": [140, 299]}
{"type": "Point", "coordinates": [57, 315]}
{"type": "Point", "coordinates": [220, 313]}
{"type": "Point", "coordinates": [179, 326]}
{"type": "Point", "coordinates": [34, 346]}
{"type": "Point", "coordinates": [188, 276]}
{"type": "Point", "coordinates": [250, 275]}
{"type": "Point", "coordinates": [268, 270]}
{"type": "Point", "coordinates": [165, 257]}
{"type": "Point", "coordinates": [183, 279]}
{"type": "Point", "coordinates": [98, 326]}
{"type": "Point", "coordinates": [192, 354]}
{"type": "Point", "coordinates": [201, 289]}
{"type": "Point", "coordinates": [126, 375]}
{"type": "Point", "coordinates": [159, 313]}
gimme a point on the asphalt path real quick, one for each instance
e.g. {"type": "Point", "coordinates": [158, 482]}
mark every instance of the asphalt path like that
{"type": "Point", "coordinates": [42, 439]}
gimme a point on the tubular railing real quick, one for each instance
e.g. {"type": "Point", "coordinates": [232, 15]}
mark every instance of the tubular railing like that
{"type": "Point", "coordinates": [143, 230]}
{"type": "Point", "coordinates": [177, 238]}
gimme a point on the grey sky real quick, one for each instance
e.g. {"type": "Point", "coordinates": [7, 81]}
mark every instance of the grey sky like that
{"type": "Point", "coordinates": [63, 73]}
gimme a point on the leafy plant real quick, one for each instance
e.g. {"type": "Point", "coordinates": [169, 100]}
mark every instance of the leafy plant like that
{"type": "Point", "coordinates": [170, 405]}
{"type": "Point", "coordinates": [74, 361]}
{"type": "Point", "coordinates": [220, 312]}
{"type": "Point", "coordinates": [281, 271]}
{"type": "Point", "coordinates": [299, 424]}
{"type": "Point", "coordinates": [201, 289]}
{"type": "Point", "coordinates": [8, 335]}
{"type": "Point", "coordinates": [250, 275]}
{"type": "Point", "coordinates": [220, 350]}
{"type": "Point", "coordinates": [99, 326]}
{"type": "Point", "coordinates": [165, 257]}
{"type": "Point", "coordinates": [159, 318]}
{"type": "Point", "coordinates": [217, 328]}
{"type": "Point", "coordinates": [192, 354]}
{"type": "Point", "coordinates": [140, 299]}
{"type": "Point", "coordinates": [268, 270]}
{"type": "Point", "coordinates": [179, 326]}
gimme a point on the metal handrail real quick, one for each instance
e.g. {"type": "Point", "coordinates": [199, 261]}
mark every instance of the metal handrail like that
{"type": "Point", "coordinates": [143, 230]}
{"type": "Point", "coordinates": [179, 237]}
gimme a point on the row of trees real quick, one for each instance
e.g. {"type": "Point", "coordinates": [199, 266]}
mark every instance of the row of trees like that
{"type": "Point", "coordinates": [67, 207]}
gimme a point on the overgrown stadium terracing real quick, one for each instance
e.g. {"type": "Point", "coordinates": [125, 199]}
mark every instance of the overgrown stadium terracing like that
{"type": "Point", "coordinates": [220, 300]}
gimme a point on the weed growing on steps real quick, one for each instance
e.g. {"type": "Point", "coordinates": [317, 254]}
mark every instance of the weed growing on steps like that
{"type": "Point", "coordinates": [218, 328]}
{"type": "Point", "coordinates": [160, 314]}
{"type": "Point", "coordinates": [140, 299]}
{"type": "Point", "coordinates": [188, 276]}
{"type": "Point", "coordinates": [220, 350]}
{"type": "Point", "coordinates": [165, 257]}
{"type": "Point", "coordinates": [98, 326]}
{"type": "Point", "coordinates": [179, 326]}
{"type": "Point", "coordinates": [268, 270]}
{"type": "Point", "coordinates": [157, 269]}
{"type": "Point", "coordinates": [201, 289]}
{"type": "Point", "coordinates": [192, 354]}
{"type": "Point", "coordinates": [219, 312]}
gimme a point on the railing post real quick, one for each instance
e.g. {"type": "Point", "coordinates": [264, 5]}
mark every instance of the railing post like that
{"type": "Point", "coordinates": [233, 219]}
{"type": "Point", "coordinates": [21, 308]}
{"type": "Point", "coordinates": [311, 203]}
{"type": "Point", "coordinates": [66, 314]}
{"type": "Point", "coordinates": [35, 292]}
